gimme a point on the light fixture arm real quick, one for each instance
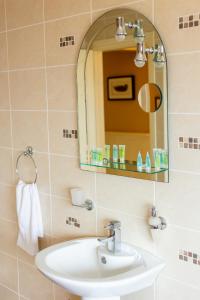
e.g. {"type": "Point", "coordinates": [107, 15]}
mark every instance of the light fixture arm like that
{"type": "Point", "coordinates": [151, 50]}
{"type": "Point", "coordinates": [132, 25]}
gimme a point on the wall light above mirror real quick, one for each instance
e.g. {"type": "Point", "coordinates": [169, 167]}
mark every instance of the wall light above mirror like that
{"type": "Point", "coordinates": [122, 97]}
{"type": "Point", "coordinates": [140, 57]}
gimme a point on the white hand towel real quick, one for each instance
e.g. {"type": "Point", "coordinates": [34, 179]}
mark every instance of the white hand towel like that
{"type": "Point", "coordinates": [29, 217]}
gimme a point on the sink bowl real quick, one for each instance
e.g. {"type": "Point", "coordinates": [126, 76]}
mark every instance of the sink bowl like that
{"type": "Point", "coordinates": [86, 268]}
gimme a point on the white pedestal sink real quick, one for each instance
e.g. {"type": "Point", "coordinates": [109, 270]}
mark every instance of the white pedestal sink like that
{"type": "Point", "coordinates": [86, 268]}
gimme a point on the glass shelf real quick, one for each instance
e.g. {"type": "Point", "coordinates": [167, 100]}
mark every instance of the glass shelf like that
{"type": "Point", "coordinates": [127, 166]}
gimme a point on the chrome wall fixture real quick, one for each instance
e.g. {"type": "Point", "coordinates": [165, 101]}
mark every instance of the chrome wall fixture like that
{"type": "Point", "coordinates": [79, 200]}
{"type": "Point", "coordinates": [27, 153]}
{"type": "Point", "coordinates": [141, 51]}
{"type": "Point", "coordinates": [121, 29]}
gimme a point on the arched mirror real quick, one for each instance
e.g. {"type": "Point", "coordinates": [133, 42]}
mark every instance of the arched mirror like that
{"type": "Point", "coordinates": [122, 97]}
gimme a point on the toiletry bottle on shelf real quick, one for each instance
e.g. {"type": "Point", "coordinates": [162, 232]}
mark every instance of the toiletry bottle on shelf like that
{"type": "Point", "coordinates": [164, 159]}
{"type": "Point", "coordinates": [148, 163]}
{"type": "Point", "coordinates": [107, 155]}
{"type": "Point", "coordinates": [166, 162]}
{"type": "Point", "coordinates": [156, 155]}
{"type": "Point", "coordinates": [93, 156]}
{"type": "Point", "coordinates": [99, 156]}
{"type": "Point", "coordinates": [115, 153]}
{"type": "Point", "coordinates": [122, 154]}
{"type": "Point", "coordinates": [139, 162]}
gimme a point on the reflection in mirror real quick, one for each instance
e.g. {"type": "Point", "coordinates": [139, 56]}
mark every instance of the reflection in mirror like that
{"type": "Point", "coordinates": [150, 97]}
{"type": "Point", "coordinates": [121, 54]}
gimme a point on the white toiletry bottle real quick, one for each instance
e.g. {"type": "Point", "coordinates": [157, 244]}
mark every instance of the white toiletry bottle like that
{"type": "Point", "coordinates": [148, 163]}
{"type": "Point", "coordinates": [139, 162]}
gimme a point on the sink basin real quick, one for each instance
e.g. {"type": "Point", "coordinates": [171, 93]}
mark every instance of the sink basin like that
{"type": "Point", "coordinates": [86, 268]}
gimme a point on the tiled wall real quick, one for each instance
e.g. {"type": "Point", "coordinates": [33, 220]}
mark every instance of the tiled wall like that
{"type": "Point", "coordinates": [38, 108]}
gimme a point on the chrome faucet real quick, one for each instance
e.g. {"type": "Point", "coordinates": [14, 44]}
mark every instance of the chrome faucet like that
{"type": "Point", "coordinates": [114, 239]}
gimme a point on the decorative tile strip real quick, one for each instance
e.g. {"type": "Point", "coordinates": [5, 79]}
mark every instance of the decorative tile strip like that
{"type": "Point", "coordinates": [192, 143]}
{"type": "Point", "coordinates": [72, 222]}
{"type": "Point", "coordinates": [189, 21]}
{"type": "Point", "coordinates": [189, 256]}
{"type": "Point", "coordinates": [70, 134]}
{"type": "Point", "coordinates": [67, 41]}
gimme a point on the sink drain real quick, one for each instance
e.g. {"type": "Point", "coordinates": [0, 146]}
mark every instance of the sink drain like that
{"type": "Point", "coordinates": [103, 260]}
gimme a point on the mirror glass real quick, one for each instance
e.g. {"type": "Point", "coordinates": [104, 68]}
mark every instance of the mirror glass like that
{"type": "Point", "coordinates": [122, 98]}
{"type": "Point", "coordinates": [150, 97]}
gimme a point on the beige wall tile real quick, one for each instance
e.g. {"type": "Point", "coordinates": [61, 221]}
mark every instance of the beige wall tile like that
{"type": "Point", "coordinates": [62, 209]}
{"type": "Point", "coordinates": [61, 86]}
{"type": "Point", "coordinates": [173, 240]}
{"type": "Point", "coordinates": [33, 284]}
{"type": "Point", "coordinates": [7, 202]}
{"type": "Point", "coordinates": [111, 192]}
{"type": "Point", "coordinates": [65, 8]}
{"type": "Point", "coordinates": [5, 132]}
{"type": "Point", "coordinates": [59, 144]}
{"type": "Point", "coordinates": [183, 159]}
{"type": "Point", "coordinates": [2, 16]}
{"type": "Point", "coordinates": [184, 83]}
{"type": "Point", "coordinates": [46, 213]}
{"type": "Point", "coordinates": [45, 242]}
{"type": "Point", "coordinates": [166, 20]}
{"type": "Point", "coordinates": [96, 4]}
{"type": "Point", "coordinates": [8, 237]}
{"type": "Point", "coordinates": [8, 271]}
{"type": "Point", "coordinates": [23, 12]}
{"type": "Point", "coordinates": [30, 260]}
{"type": "Point", "coordinates": [25, 257]}
{"type": "Point", "coordinates": [3, 52]}
{"type": "Point", "coordinates": [6, 171]}
{"type": "Point", "coordinates": [27, 170]}
{"type": "Point", "coordinates": [176, 196]}
{"type": "Point", "coordinates": [174, 290]}
{"type": "Point", "coordinates": [27, 89]}
{"type": "Point", "coordinates": [65, 174]}
{"type": "Point", "coordinates": [4, 91]}
{"type": "Point", "coordinates": [6, 294]}
{"type": "Point", "coordinates": [26, 47]}
{"type": "Point", "coordinates": [62, 294]}
{"type": "Point", "coordinates": [30, 128]}
{"type": "Point", "coordinates": [143, 6]}
{"type": "Point", "coordinates": [145, 294]}
{"type": "Point", "coordinates": [74, 26]}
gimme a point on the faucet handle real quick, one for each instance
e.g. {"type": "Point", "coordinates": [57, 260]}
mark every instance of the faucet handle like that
{"type": "Point", "coordinates": [113, 225]}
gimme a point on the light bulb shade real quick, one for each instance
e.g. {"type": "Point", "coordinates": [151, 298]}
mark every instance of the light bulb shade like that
{"type": "Point", "coordinates": [139, 63]}
{"type": "Point", "coordinates": [139, 31]}
{"type": "Point", "coordinates": [120, 29]}
{"type": "Point", "coordinates": [140, 57]}
{"type": "Point", "coordinates": [159, 57]}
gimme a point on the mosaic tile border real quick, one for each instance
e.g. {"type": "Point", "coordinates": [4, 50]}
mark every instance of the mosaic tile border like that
{"type": "Point", "coordinates": [189, 256]}
{"type": "Point", "coordinates": [73, 222]}
{"type": "Point", "coordinates": [70, 134]}
{"type": "Point", "coordinates": [192, 143]}
{"type": "Point", "coordinates": [67, 41]}
{"type": "Point", "coordinates": [189, 21]}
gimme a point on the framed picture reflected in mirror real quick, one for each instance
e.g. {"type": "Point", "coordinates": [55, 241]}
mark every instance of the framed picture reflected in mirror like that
{"type": "Point", "coordinates": [120, 88]}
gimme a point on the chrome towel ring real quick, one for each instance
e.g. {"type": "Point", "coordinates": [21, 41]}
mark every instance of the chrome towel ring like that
{"type": "Point", "coordinates": [28, 153]}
